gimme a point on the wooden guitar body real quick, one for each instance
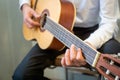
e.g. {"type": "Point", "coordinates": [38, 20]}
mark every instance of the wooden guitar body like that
{"type": "Point", "coordinates": [61, 12]}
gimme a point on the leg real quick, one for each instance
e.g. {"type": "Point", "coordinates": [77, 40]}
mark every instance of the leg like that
{"type": "Point", "coordinates": [33, 65]}
{"type": "Point", "coordinates": [110, 47]}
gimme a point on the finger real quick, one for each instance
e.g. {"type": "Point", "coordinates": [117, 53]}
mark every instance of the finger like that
{"type": "Point", "coordinates": [73, 53]}
{"type": "Point", "coordinates": [80, 55]}
{"type": "Point", "coordinates": [63, 62]}
{"type": "Point", "coordinates": [28, 25]}
{"type": "Point", "coordinates": [80, 58]}
{"type": "Point", "coordinates": [67, 57]}
{"type": "Point", "coordinates": [32, 23]}
{"type": "Point", "coordinates": [36, 15]}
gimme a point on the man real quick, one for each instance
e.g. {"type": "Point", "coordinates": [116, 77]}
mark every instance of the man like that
{"type": "Point", "coordinates": [96, 24]}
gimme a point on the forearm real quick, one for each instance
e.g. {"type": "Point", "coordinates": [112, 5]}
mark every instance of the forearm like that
{"type": "Point", "coordinates": [100, 36]}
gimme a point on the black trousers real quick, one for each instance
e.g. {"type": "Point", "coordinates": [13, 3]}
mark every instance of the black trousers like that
{"type": "Point", "coordinates": [33, 65]}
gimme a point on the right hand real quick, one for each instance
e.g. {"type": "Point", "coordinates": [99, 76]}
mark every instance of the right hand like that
{"type": "Point", "coordinates": [28, 14]}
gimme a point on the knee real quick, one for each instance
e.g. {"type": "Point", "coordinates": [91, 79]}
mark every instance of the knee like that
{"type": "Point", "coordinates": [17, 76]}
{"type": "Point", "coordinates": [111, 47]}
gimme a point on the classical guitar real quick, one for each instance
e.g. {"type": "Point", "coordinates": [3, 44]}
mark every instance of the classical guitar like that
{"type": "Point", "coordinates": [57, 21]}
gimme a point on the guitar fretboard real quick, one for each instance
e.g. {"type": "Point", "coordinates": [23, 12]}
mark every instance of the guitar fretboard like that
{"type": "Point", "coordinates": [68, 38]}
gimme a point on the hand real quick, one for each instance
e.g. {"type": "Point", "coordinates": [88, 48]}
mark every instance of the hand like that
{"type": "Point", "coordinates": [28, 14]}
{"type": "Point", "coordinates": [73, 57]}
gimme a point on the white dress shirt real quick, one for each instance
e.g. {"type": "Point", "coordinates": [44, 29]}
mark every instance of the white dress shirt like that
{"type": "Point", "coordinates": [92, 12]}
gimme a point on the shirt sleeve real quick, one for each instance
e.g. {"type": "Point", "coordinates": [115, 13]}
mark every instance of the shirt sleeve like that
{"type": "Point", "coordinates": [108, 27]}
{"type": "Point", "coordinates": [21, 2]}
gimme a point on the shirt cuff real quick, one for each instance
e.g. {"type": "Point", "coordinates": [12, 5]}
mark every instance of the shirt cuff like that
{"type": "Point", "coordinates": [21, 2]}
{"type": "Point", "coordinates": [92, 42]}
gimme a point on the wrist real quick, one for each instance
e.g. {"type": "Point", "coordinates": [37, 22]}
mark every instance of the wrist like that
{"type": "Point", "coordinates": [88, 43]}
{"type": "Point", "coordinates": [24, 6]}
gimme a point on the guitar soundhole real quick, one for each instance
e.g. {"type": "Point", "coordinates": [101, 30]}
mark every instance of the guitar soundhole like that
{"type": "Point", "coordinates": [42, 22]}
{"type": "Point", "coordinates": [44, 14]}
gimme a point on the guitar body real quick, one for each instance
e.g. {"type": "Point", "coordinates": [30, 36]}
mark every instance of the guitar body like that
{"type": "Point", "coordinates": [62, 12]}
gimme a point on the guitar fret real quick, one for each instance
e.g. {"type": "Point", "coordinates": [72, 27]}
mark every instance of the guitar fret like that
{"type": "Point", "coordinates": [68, 39]}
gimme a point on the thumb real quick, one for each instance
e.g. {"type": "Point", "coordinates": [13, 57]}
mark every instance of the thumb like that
{"type": "Point", "coordinates": [36, 15]}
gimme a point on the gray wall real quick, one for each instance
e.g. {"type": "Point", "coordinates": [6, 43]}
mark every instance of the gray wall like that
{"type": "Point", "coordinates": [13, 47]}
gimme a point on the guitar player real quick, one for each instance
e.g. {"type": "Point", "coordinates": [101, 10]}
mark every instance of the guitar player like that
{"type": "Point", "coordinates": [95, 23]}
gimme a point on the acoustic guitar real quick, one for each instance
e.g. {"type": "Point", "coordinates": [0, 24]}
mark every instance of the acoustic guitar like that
{"type": "Point", "coordinates": [55, 32]}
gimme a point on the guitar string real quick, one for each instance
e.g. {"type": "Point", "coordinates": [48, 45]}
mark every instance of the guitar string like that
{"type": "Point", "coordinates": [90, 54]}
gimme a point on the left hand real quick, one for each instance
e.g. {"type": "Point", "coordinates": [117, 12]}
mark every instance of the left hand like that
{"type": "Point", "coordinates": [73, 57]}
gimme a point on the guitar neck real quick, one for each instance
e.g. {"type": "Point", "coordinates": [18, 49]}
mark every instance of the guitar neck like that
{"type": "Point", "coordinates": [68, 38]}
